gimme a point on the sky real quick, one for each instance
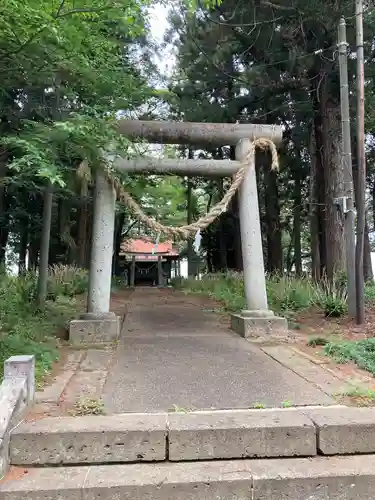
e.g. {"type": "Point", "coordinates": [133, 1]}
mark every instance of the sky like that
{"type": "Point", "coordinates": [159, 24]}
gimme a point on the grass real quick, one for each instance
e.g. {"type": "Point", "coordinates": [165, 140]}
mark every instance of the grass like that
{"type": "Point", "coordinates": [88, 407]}
{"type": "Point", "coordinates": [259, 406]}
{"type": "Point", "coordinates": [357, 396]}
{"type": "Point", "coordinates": [286, 295]}
{"type": "Point", "coordinates": [24, 329]}
{"type": "Point", "coordinates": [361, 352]}
{"type": "Point", "coordinates": [317, 341]}
{"type": "Point", "coordinates": [358, 392]}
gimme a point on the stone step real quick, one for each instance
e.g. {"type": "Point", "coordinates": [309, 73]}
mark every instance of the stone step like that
{"type": "Point", "coordinates": [158, 437]}
{"type": "Point", "coordinates": [90, 440]}
{"type": "Point", "coordinates": [319, 478]}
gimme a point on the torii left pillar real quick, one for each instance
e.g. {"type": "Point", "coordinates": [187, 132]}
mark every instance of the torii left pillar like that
{"type": "Point", "coordinates": [98, 324]}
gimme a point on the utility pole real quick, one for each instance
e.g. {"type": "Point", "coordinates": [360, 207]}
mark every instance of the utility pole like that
{"type": "Point", "coordinates": [346, 202]}
{"type": "Point", "coordinates": [360, 285]}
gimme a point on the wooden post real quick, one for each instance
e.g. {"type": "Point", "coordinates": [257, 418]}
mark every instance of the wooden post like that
{"type": "Point", "coordinates": [132, 272]}
{"type": "Point", "coordinates": [160, 272]}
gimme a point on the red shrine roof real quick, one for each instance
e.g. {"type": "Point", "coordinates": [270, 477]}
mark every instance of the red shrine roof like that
{"type": "Point", "coordinates": [146, 246]}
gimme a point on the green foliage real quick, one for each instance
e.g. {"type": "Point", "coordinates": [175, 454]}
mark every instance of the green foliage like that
{"type": "Point", "coordinates": [25, 330]}
{"type": "Point", "coordinates": [74, 69]}
{"type": "Point", "coordinates": [317, 341]}
{"type": "Point", "coordinates": [286, 295]}
{"type": "Point", "coordinates": [361, 352]}
{"type": "Point", "coordinates": [289, 294]}
{"type": "Point", "coordinates": [64, 280]}
{"type": "Point", "coordinates": [227, 289]}
{"type": "Point", "coordinates": [332, 297]}
{"type": "Point", "coordinates": [370, 293]}
{"type": "Point", "coordinates": [88, 407]}
{"type": "Point", "coordinates": [259, 406]}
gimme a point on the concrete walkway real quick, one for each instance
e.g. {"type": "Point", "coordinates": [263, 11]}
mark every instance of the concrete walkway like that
{"type": "Point", "coordinates": [174, 352]}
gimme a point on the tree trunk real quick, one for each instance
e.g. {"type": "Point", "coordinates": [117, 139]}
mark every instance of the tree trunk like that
{"type": "Point", "coordinates": [289, 257]}
{"type": "Point", "coordinates": [190, 250]}
{"type": "Point", "coordinates": [119, 224]}
{"type": "Point", "coordinates": [367, 264]}
{"type": "Point", "coordinates": [44, 247]}
{"type": "Point", "coordinates": [222, 240]}
{"type": "Point", "coordinates": [314, 211]}
{"type": "Point", "coordinates": [64, 245]}
{"type": "Point", "coordinates": [235, 211]}
{"type": "Point", "coordinates": [82, 236]}
{"type": "Point", "coordinates": [4, 214]}
{"type": "Point", "coordinates": [297, 216]}
{"type": "Point", "coordinates": [273, 224]}
{"type": "Point", "coordinates": [33, 253]}
{"type": "Point", "coordinates": [333, 186]}
{"type": "Point", "coordinates": [24, 239]}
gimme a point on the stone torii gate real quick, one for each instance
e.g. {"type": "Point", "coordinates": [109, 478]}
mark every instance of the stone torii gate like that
{"type": "Point", "coordinates": [98, 324]}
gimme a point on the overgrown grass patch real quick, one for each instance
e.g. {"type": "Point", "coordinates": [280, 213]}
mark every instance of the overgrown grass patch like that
{"type": "Point", "coordinates": [24, 329]}
{"type": "Point", "coordinates": [286, 295]}
{"type": "Point", "coordinates": [361, 352]}
{"type": "Point", "coordinates": [227, 289]}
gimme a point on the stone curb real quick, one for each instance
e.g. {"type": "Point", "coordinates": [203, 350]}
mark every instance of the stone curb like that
{"type": "Point", "coordinates": [17, 392]}
{"type": "Point", "coordinates": [336, 478]}
{"type": "Point", "coordinates": [205, 435]}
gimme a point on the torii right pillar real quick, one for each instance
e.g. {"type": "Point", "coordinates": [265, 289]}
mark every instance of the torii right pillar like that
{"type": "Point", "coordinates": [256, 320]}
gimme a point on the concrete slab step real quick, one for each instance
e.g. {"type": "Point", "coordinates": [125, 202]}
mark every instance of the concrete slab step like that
{"type": "Point", "coordinates": [319, 478]}
{"type": "Point", "coordinates": [157, 437]}
{"type": "Point", "coordinates": [90, 439]}
{"type": "Point", "coordinates": [240, 434]}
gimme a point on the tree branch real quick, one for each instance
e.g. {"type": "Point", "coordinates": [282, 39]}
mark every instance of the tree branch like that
{"type": "Point", "coordinates": [88, 10]}
{"type": "Point", "coordinates": [266, 3]}
{"type": "Point", "coordinates": [58, 15]}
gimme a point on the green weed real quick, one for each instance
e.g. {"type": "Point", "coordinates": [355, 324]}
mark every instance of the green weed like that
{"type": "Point", "coordinates": [87, 407]}
{"type": "Point", "coordinates": [317, 341]}
{"type": "Point", "coordinates": [286, 404]}
{"type": "Point", "coordinates": [286, 295]}
{"type": "Point", "coordinates": [361, 352]}
{"type": "Point", "coordinates": [358, 392]}
{"type": "Point", "coordinates": [259, 406]}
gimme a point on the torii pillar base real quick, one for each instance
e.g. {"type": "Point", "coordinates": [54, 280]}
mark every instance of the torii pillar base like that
{"type": "Point", "coordinates": [94, 329]}
{"type": "Point", "coordinates": [258, 325]}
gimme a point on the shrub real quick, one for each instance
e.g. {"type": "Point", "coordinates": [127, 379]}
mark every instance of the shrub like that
{"type": "Point", "coordinates": [67, 280]}
{"type": "Point", "coordinates": [331, 297]}
{"type": "Point", "coordinates": [24, 329]}
{"type": "Point", "coordinates": [370, 293]}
